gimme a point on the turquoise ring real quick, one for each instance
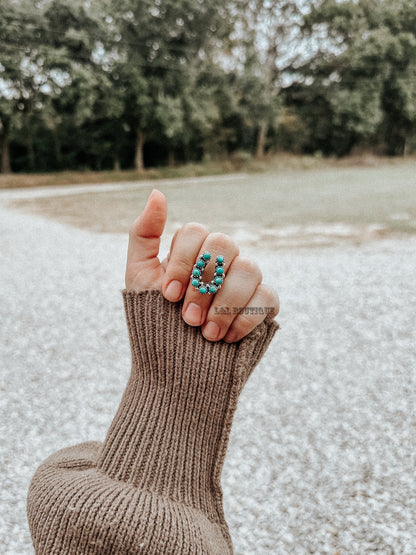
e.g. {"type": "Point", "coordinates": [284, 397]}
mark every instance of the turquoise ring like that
{"type": "Point", "coordinates": [219, 275]}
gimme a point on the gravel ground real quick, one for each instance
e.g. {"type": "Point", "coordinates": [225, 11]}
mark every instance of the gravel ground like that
{"type": "Point", "coordinates": [321, 457]}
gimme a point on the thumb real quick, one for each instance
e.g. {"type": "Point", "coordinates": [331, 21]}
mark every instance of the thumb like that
{"type": "Point", "coordinates": [144, 243]}
{"type": "Point", "coordinates": [150, 224]}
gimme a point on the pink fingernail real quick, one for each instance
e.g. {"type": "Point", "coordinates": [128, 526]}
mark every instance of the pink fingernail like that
{"type": "Point", "coordinates": [193, 314]}
{"type": "Point", "coordinates": [173, 290]}
{"type": "Point", "coordinates": [211, 331]}
{"type": "Point", "coordinates": [231, 337]}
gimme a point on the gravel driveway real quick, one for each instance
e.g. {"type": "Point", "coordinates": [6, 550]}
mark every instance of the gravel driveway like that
{"type": "Point", "coordinates": [322, 455]}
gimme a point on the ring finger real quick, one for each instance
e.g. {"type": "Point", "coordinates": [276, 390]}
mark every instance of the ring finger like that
{"type": "Point", "coordinates": [242, 280]}
{"type": "Point", "coordinates": [263, 304]}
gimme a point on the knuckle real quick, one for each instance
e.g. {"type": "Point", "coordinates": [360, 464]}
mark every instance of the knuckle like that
{"type": "Point", "coordinates": [179, 264]}
{"type": "Point", "coordinates": [249, 267]}
{"type": "Point", "coordinates": [194, 228]}
{"type": "Point", "coordinates": [270, 297]}
{"type": "Point", "coordinates": [222, 241]}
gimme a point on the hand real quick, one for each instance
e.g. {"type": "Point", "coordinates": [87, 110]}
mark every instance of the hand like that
{"type": "Point", "coordinates": [235, 310]}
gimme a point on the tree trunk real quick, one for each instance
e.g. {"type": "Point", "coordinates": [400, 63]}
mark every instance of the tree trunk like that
{"type": "Point", "coordinates": [30, 151]}
{"type": "Point", "coordinates": [57, 149]}
{"type": "Point", "coordinates": [5, 166]}
{"type": "Point", "coordinates": [29, 141]}
{"type": "Point", "coordinates": [138, 159]}
{"type": "Point", "coordinates": [187, 154]}
{"type": "Point", "coordinates": [261, 140]}
{"type": "Point", "coordinates": [171, 158]}
{"type": "Point", "coordinates": [405, 153]}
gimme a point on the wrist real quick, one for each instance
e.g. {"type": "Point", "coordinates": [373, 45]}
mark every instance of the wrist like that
{"type": "Point", "coordinates": [170, 433]}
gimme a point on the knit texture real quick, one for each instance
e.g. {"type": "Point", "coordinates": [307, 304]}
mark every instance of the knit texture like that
{"type": "Point", "coordinates": [153, 486]}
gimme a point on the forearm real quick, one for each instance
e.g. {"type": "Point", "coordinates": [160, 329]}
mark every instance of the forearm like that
{"type": "Point", "coordinates": [154, 485]}
{"type": "Point", "coordinates": [173, 422]}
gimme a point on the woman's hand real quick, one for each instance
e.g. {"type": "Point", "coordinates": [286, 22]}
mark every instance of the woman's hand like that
{"type": "Point", "coordinates": [234, 311]}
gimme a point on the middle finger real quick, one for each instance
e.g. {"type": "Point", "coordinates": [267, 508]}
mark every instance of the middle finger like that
{"type": "Point", "coordinates": [196, 305]}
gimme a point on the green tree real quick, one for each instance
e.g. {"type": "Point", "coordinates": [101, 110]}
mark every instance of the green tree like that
{"type": "Point", "coordinates": [19, 64]}
{"type": "Point", "coordinates": [158, 49]}
{"type": "Point", "coordinates": [365, 69]}
{"type": "Point", "coordinates": [45, 48]}
{"type": "Point", "coordinates": [265, 48]}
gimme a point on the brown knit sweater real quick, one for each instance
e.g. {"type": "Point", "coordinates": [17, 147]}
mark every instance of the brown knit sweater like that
{"type": "Point", "coordinates": [153, 486]}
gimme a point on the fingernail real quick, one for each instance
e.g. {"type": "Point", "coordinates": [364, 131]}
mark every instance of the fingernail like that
{"type": "Point", "coordinates": [231, 337]}
{"type": "Point", "coordinates": [193, 314]}
{"type": "Point", "coordinates": [211, 331]}
{"type": "Point", "coordinates": [173, 290]}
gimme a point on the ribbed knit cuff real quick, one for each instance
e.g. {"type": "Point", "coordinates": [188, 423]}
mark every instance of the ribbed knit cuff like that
{"type": "Point", "coordinates": [153, 487]}
{"type": "Point", "coordinates": [171, 431]}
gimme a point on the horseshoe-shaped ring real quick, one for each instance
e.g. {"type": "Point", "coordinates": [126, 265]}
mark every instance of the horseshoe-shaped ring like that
{"type": "Point", "coordinates": [196, 277]}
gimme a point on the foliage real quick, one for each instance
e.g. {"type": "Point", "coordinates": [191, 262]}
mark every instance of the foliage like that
{"type": "Point", "coordinates": [99, 85]}
{"type": "Point", "coordinates": [365, 69]}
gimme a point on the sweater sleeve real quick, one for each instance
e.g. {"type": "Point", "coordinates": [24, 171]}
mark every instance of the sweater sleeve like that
{"type": "Point", "coordinates": [153, 486]}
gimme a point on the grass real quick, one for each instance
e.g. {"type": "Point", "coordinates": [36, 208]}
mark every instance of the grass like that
{"type": "Point", "coordinates": [288, 201]}
{"type": "Point", "coordinates": [12, 181]}
{"type": "Point", "coordinates": [236, 163]}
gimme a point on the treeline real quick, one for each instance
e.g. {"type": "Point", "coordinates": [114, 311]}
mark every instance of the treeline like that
{"type": "Point", "coordinates": [103, 84]}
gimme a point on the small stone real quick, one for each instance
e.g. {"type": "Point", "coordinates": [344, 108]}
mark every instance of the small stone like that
{"type": "Point", "coordinates": [206, 256]}
{"type": "Point", "coordinates": [212, 289]}
{"type": "Point", "coordinates": [218, 280]}
{"type": "Point", "coordinates": [195, 282]}
{"type": "Point", "coordinates": [203, 290]}
{"type": "Point", "coordinates": [219, 271]}
{"type": "Point", "coordinates": [196, 272]}
{"type": "Point", "coordinates": [220, 259]}
{"type": "Point", "coordinates": [200, 263]}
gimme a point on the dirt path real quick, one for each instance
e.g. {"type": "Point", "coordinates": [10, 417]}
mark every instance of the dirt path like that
{"type": "Point", "coordinates": [322, 452]}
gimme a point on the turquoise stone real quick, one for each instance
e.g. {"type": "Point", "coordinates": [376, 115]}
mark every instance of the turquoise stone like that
{"type": "Point", "coordinates": [196, 272]}
{"type": "Point", "coordinates": [195, 282]}
{"type": "Point", "coordinates": [218, 280]}
{"type": "Point", "coordinates": [219, 271]}
{"type": "Point", "coordinates": [220, 259]}
{"type": "Point", "coordinates": [206, 255]}
{"type": "Point", "coordinates": [212, 289]}
{"type": "Point", "coordinates": [203, 290]}
{"type": "Point", "coordinates": [200, 263]}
